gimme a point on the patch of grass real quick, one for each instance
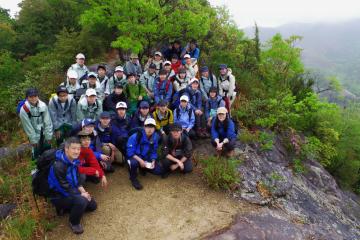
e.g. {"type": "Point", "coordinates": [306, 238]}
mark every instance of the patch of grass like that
{"type": "Point", "coordinates": [248, 137]}
{"type": "Point", "coordinates": [221, 173]}
{"type": "Point", "coordinates": [266, 140]}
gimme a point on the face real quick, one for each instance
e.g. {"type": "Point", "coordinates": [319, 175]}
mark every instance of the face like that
{"type": "Point", "coordinates": [183, 103]}
{"type": "Point", "coordinates": [182, 75]}
{"type": "Point", "coordinates": [33, 100]}
{"type": "Point", "coordinates": [73, 151]}
{"type": "Point", "coordinates": [63, 96]}
{"type": "Point", "coordinates": [176, 45]}
{"type": "Point", "coordinates": [85, 141]}
{"type": "Point", "coordinates": [221, 117]}
{"type": "Point", "coordinates": [192, 45]}
{"type": "Point", "coordinates": [72, 81]}
{"type": "Point", "coordinates": [101, 72]}
{"type": "Point", "coordinates": [89, 129]}
{"type": "Point", "coordinates": [167, 67]}
{"type": "Point", "coordinates": [188, 61]}
{"type": "Point", "coordinates": [105, 121]}
{"type": "Point", "coordinates": [176, 134]}
{"type": "Point", "coordinates": [119, 74]}
{"type": "Point", "coordinates": [162, 77]}
{"type": "Point", "coordinates": [205, 74]}
{"type": "Point", "coordinates": [144, 111]}
{"type": "Point", "coordinates": [223, 71]}
{"type": "Point", "coordinates": [151, 70]}
{"type": "Point", "coordinates": [195, 85]}
{"type": "Point", "coordinates": [149, 130]}
{"type": "Point", "coordinates": [131, 80]}
{"type": "Point", "coordinates": [163, 109]}
{"type": "Point", "coordinates": [157, 58]}
{"type": "Point", "coordinates": [92, 81]}
{"type": "Point", "coordinates": [212, 94]}
{"type": "Point", "coordinates": [91, 99]}
{"type": "Point", "coordinates": [80, 61]}
{"type": "Point", "coordinates": [121, 112]}
{"type": "Point", "coordinates": [174, 60]}
{"type": "Point", "coordinates": [118, 91]}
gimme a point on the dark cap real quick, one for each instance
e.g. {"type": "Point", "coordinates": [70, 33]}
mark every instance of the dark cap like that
{"type": "Point", "coordinates": [101, 67]}
{"type": "Point", "coordinates": [222, 66]}
{"type": "Point", "coordinates": [83, 133]}
{"type": "Point", "coordinates": [31, 92]}
{"type": "Point", "coordinates": [152, 65]}
{"type": "Point", "coordinates": [162, 72]}
{"type": "Point", "coordinates": [163, 102]}
{"type": "Point", "coordinates": [175, 127]}
{"type": "Point", "coordinates": [61, 89]}
{"type": "Point", "coordinates": [213, 89]}
{"type": "Point", "coordinates": [144, 104]}
{"type": "Point", "coordinates": [204, 69]}
{"type": "Point", "coordinates": [87, 122]}
{"type": "Point", "coordinates": [105, 115]}
{"type": "Point", "coordinates": [118, 85]}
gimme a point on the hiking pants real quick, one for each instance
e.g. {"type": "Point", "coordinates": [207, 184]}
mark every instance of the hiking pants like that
{"type": "Point", "coordinates": [188, 166]}
{"type": "Point", "coordinates": [134, 165]}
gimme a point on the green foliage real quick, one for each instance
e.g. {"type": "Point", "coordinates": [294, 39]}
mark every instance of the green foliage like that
{"type": "Point", "coordinates": [21, 228]}
{"type": "Point", "coordinates": [221, 173]}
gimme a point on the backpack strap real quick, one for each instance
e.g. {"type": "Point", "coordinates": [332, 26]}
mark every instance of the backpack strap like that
{"type": "Point", "coordinates": [26, 109]}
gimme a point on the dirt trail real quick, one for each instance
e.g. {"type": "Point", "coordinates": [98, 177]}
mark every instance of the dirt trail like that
{"type": "Point", "coordinates": [179, 207]}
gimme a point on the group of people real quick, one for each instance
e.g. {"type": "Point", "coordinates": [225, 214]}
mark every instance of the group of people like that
{"type": "Point", "coordinates": [98, 121]}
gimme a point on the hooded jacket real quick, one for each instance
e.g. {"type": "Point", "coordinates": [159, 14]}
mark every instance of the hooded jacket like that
{"type": "Point", "coordinates": [218, 130]}
{"type": "Point", "coordinates": [88, 163]}
{"type": "Point", "coordinates": [113, 80]}
{"type": "Point", "coordinates": [184, 116]}
{"type": "Point", "coordinates": [211, 106]}
{"type": "Point", "coordinates": [227, 85]}
{"type": "Point", "coordinates": [146, 148]}
{"type": "Point", "coordinates": [86, 111]}
{"type": "Point", "coordinates": [162, 90]}
{"type": "Point", "coordinates": [62, 113]}
{"type": "Point", "coordinates": [147, 80]}
{"type": "Point", "coordinates": [206, 84]}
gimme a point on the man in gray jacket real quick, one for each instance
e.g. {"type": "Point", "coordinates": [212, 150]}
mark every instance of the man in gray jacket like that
{"type": "Point", "coordinates": [89, 106]}
{"type": "Point", "coordinates": [80, 68]}
{"type": "Point", "coordinates": [133, 66]}
{"type": "Point", "coordinates": [36, 121]}
{"type": "Point", "coordinates": [62, 108]}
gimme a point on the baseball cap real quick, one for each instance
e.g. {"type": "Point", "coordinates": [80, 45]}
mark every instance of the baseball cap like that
{"type": "Point", "coordinates": [92, 74]}
{"type": "Point", "coordinates": [144, 104]}
{"type": "Point", "coordinates": [193, 80]}
{"type": "Point", "coordinates": [80, 55]}
{"type": "Point", "coordinates": [32, 92]}
{"type": "Point", "coordinates": [152, 65]}
{"type": "Point", "coordinates": [175, 127]}
{"type": "Point", "coordinates": [90, 92]}
{"type": "Point", "coordinates": [222, 110]}
{"type": "Point", "coordinates": [61, 89]}
{"type": "Point", "coordinates": [204, 69]}
{"type": "Point", "coordinates": [83, 133]}
{"type": "Point", "coordinates": [72, 74]}
{"type": "Point", "coordinates": [121, 105]}
{"type": "Point", "coordinates": [119, 69]}
{"type": "Point", "coordinates": [187, 56]}
{"type": "Point", "coordinates": [158, 53]}
{"type": "Point", "coordinates": [105, 115]}
{"type": "Point", "coordinates": [167, 63]}
{"type": "Point", "coordinates": [150, 121]}
{"type": "Point", "coordinates": [222, 66]}
{"type": "Point", "coordinates": [87, 122]}
{"type": "Point", "coordinates": [184, 98]}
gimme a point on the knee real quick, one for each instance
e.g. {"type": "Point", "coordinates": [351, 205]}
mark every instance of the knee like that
{"type": "Point", "coordinates": [80, 201]}
{"type": "Point", "coordinates": [133, 163]}
{"type": "Point", "coordinates": [92, 206]}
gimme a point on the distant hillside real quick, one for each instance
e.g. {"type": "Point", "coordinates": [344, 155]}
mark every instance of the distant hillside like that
{"type": "Point", "coordinates": [333, 48]}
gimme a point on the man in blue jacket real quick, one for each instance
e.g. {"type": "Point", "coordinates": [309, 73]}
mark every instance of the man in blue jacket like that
{"type": "Point", "coordinates": [67, 190]}
{"type": "Point", "coordinates": [120, 127]}
{"type": "Point", "coordinates": [184, 115]}
{"type": "Point", "coordinates": [142, 152]}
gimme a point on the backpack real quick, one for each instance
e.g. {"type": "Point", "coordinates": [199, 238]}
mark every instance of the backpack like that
{"type": "Point", "coordinates": [166, 86]}
{"type": "Point", "coordinates": [40, 185]}
{"type": "Point", "coordinates": [22, 104]}
{"type": "Point", "coordinates": [19, 105]}
{"type": "Point", "coordinates": [178, 113]}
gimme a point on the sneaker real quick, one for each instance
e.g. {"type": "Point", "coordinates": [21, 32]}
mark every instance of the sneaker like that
{"type": "Point", "coordinates": [77, 229]}
{"type": "Point", "coordinates": [136, 184]}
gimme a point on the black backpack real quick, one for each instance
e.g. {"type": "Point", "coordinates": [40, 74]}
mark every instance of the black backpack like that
{"type": "Point", "coordinates": [40, 185]}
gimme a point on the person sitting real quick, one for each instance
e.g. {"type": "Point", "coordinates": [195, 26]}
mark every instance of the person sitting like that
{"type": "Point", "coordinates": [141, 115]}
{"type": "Point", "coordinates": [133, 66]}
{"type": "Point", "coordinates": [67, 192]}
{"type": "Point", "coordinates": [212, 104]}
{"type": "Point", "coordinates": [80, 68]}
{"type": "Point", "coordinates": [223, 134]}
{"type": "Point", "coordinates": [142, 152]}
{"type": "Point", "coordinates": [135, 93]}
{"type": "Point", "coordinates": [177, 150]}
{"type": "Point", "coordinates": [207, 81]}
{"type": "Point", "coordinates": [190, 68]}
{"type": "Point", "coordinates": [89, 166]}
{"type": "Point", "coordinates": [147, 80]}
{"type": "Point", "coordinates": [89, 106]}
{"type": "Point", "coordinates": [157, 61]}
{"type": "Point", "coordinates": [103, 80]}
{"type": "Point", "coordinates": [175, 64]}
{"type": "Point", "coordinates": [184, 115]}
{"type": "Point", "coordinates": [181, 80]}
{"type": "Point", "coordinates": [116, 96]}
{"type": "Point", "coordinates": [226, 84]}
{"type": "Point", "coordinates": [163, 117]}
{"type": "Point", "coordinates": [118, 77]}
{"type": "Point", "coordinates": [173, 49]}
{"type": "Point", "coordinates": [120, 127]}
{"type": "Point", "coordinates": [90, 83]}
{"type": "Point", "coordinates": [168, 70]}
{"type": "Point", "coordinates": [192, 49]}
{"type": "Point", "coordinates": [71, 83]}
{"type": "Point", "coordinates": [62, 109]}
{"type": "Point", "coordinates": [162, 87]}
{"type": "Point", "coordinates": [36, 121]}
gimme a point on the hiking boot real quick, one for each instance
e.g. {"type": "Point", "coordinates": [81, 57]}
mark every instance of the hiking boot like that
{"type": "Point", "coordinates": [199, 133]}
{"type": "Point", "coordinates": [136, 184]}
{"type": "Point", "coordinates": [110, 169]}
{"type": "Point", "coordinates": [77, 229]}
{"type": "Point", "coordinates": [165, 174]}
{"type": "Point", "coordinates": [142, 171]}
{"type": "Point", "coordinates": [60, 212]}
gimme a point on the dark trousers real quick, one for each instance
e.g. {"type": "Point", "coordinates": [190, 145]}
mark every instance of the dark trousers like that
{"type": "Point", "coordinates": [121, 144]}
{"type": "Point", "coordinates": [77, 205]}
{"type": "Point", "coordinates": [188, 166]}
{"type": "Point", "coordinates": [191, 134]}
{"type": "Point", "coordinates": [200, 122]}
{"type": "Point", "coordinates": [134, 165]}
{"type": "Point", "coordinates": [227, 147]}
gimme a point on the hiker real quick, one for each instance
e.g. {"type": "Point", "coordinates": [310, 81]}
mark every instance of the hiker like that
{"type": "Point", "coordinates": [195, 100]}
{"type": "Point", "coordinates": [177, 151]}
{"type": "Point", "coordinates": [190, 67]}
{"type": "Point", "coordinates": [91, 83]}
{"type": "Point", "coordinates": [116, 96]}
{"type": "Point", "coordinates": [62, 109]}
{"type": "Point", "coordinates": [36, 122]}
{"type": "Point", "coordinates": [89, 166]}
{"type": "Point", "coordinates": [181, 80]}
{"type": "Point", "coordinates": [80, 68]}
{"type": "Point", "coordinates": [141, 115]}
{"type": "Point", "coordinates": [142, 152]}
{"type": "Point", "coordinates": [157, 61]}
{"type": "Point", "coordinates": [226, 84]}
{"type": "Point", "coordinates": [104, 135]}
{"type": "Point", "coordinates": [162, 87]}
{"type": "Point", "coordinates": [212, 104]}
{"type": "Point", "coordinates": [192, 49]}
{"type": "Point", "coordinates": [71, 83]}
{"type": "Point", "coordinates": [68, 194]}
{"type": "Point", "coordinates": [173, 49]}
{"type": "Point", "coordinates": [133, 66]}
{"type": "Point", "coordinates": [167, 68]}
{"type": "Point", "coordinates": [103, 80]}
{"type": "Point", "coordinates": [207, 81]}
{"type": "Point", "coordinates": [175, 64]}
{"type": "Point", "coordinates": [134, 92]}
{"type": "Point", "coordinates": [118, 77]}
{"type": "Point", "coordinates": [184, 115]}
{"type": "Point", "coordinates": [223, 133]}
{"type": "Point", "coordinates": [147, 80]}
{"type": "Point", "coordinates": [89, 106]}
{"type": "Point", "coordinates": [163, 117]}
{"type": "Point", "coordinates": [120, 127]}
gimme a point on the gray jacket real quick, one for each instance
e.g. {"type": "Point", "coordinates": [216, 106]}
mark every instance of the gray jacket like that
{"type": "Point", "coordinates": [132, 68]}
{"type": "Point", "coordinates": [86, 111]}
{"type": "Point", "coordinates": [61, 115]}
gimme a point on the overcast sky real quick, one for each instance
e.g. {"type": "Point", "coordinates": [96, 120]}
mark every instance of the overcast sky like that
{"type": "Point", "coordinates": [271, 13]}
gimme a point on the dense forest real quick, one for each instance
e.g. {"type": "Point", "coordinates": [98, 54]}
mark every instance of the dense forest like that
{"type": "Point", "coordinates": [276, 90]}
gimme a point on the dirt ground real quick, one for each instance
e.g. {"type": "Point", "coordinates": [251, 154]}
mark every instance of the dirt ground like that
{"type": "Point", "coordinates": [179, 207]}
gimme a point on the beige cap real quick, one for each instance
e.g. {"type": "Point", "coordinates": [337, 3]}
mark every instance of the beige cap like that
{"type": "Point", "coordinates": [222, 110]}
{"type": "Point", "coordinates": [133, 55]}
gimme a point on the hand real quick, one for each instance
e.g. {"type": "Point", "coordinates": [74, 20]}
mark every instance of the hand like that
{"type": "Point", "coordinates": [219, 146]}
{"type": "Point", "coordinates": [153, 164]}
{"type": "Point", "coordinates": [140, 98]}
{"type": "Point", "coordinates": [181, 165]}
{"type": "Point", "coordinates": [112, 146]}
{"type": "Point", "coordinates": [142, 163]}
{"type": "Point", "coordinates": [209, 122]}
{"type": "Point", "coordinates": [96, 173]}
{"type": "Point", "coordinates": [198, 112]}
{"type": "Point", "coordinates": [104, 182]}
{"type": "Point", "coordinates": [86, 195]}
{"type": "Point", "coordinates": [57, 134]}
{"type": "Point", "coordinates": [103, 164]}
{"type": "Point", "coordinates": [104, 157]}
